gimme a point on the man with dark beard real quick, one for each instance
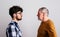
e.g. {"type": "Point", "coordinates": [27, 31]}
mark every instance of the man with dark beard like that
{"type": "Point", "coordinates": [13, 29]}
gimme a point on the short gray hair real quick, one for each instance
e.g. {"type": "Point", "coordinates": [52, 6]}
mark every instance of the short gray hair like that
{"type": "Point", "coordinates": [42, 8]}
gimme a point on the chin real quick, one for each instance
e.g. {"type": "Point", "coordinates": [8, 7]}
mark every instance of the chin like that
{"type": "Point", "coordinates": [39, 19]}
{"type": "Point", "coordinates": [19, 19]}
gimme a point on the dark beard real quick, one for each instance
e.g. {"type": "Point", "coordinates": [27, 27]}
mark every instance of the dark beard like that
{"type": "Point", "coordinates": [19, 19]}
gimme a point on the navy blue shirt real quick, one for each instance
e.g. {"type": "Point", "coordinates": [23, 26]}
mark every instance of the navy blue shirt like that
{"type": "Point", "coordinates": [13, 30]}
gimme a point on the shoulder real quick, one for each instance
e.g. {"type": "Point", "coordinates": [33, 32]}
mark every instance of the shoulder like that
{"type": "Point", "coordinates": [50, 23]}
{"type": "Point", "coordinates": [11, 25]}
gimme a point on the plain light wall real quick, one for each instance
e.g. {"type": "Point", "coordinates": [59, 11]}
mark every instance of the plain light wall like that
{"type": "Point", "coordinates": [29, 24]}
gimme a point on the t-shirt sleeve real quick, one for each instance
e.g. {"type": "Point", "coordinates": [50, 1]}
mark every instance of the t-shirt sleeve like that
{"type": "Point", "coordinates": [51, 29]}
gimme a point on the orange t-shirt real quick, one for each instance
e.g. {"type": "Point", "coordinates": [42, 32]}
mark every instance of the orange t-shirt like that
{"type": "Point", "coordinates": [46, 29]}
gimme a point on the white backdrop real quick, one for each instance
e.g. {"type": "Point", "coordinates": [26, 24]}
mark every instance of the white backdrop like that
{"type": "Point", "coordinates": [29, 24]}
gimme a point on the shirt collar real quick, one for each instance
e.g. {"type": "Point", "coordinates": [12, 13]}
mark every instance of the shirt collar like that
{"type": "Point", "coordinates": [14, 21]}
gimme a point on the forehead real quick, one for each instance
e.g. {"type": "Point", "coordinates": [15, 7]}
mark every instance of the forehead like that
{"type": "Point", "coordinates": [19, 12]}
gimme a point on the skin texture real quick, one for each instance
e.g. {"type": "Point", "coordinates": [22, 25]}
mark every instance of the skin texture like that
{"type": "Point", "coordinates": [17, 16]}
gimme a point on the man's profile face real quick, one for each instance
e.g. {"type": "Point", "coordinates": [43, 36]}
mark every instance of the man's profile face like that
{"type": "Point", "coordinates": [19, 15]}
{"type": "Point", "coordinates": [40, 15]}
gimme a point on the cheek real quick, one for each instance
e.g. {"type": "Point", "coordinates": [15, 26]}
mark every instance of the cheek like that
{"type": "Point", "coordinates": [41, 16]}
{"type": "Point", "coordinates": [19, 16]}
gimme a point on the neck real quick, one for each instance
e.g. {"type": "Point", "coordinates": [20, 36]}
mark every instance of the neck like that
{"type": "Point", "coordinates": [45, 19]}
{"type": "Point", "coordinates": [14, 19]}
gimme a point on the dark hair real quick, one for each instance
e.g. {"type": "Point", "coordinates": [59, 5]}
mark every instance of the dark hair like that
{"type": "Point", "coordinates": [14, 9]}
{"type": "Point", "coordinates": [42, 8]}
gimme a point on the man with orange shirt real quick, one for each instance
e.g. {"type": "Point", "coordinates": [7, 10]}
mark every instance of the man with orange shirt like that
{"type": "Point", "coordinates": [46, 29]}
